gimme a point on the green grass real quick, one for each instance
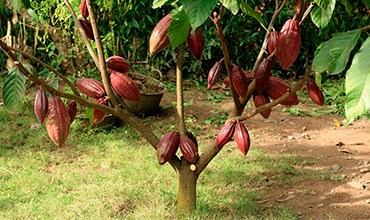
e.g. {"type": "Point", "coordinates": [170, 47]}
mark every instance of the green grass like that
{"type": "Point", "coordinates": [111, 173]}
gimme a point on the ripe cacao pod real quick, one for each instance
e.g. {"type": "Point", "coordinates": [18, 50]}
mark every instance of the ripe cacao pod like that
{"type": "Point", "coordinates": [259, 100]}
{"type": "Point", "coordinates": [57, 122]}
{"type": "Point", "coordinates": [263, 74]}
{"type": "Point", "coordinates": [196, 43]}
{"type": "Point", "coordinates": [192, 138]}
{"type": "Point", "coordinates": [41, 105]}
{"type": "Point", "coordinates": [124, 86]}
{"type": "Point", "coordinates": [118, 64]}
{"type": "Point", "coordinates": [225, 134]}
{"type": "Point", "coordinates": [214, 74]}
{"type": "Point", "coordinates": [315, 93]}
{"type": "Point", "coordinates": [188, 149]}
{"type": "Point", "coordinates": [72, 111]}
{"type": "Point", "coordinates": [159, 39]}
{"type": "Point", "coordinates": [99, 115]}
{"type": "Point", "coordinates": [240, 81]}
{"type": "Point", "coordinates": [288, 44]}
{"type": "Point", "coordinates": [86, 25]}
{"type": "Point", "coordinates": [226, 81]}
{"type": "Point", "coordinates": [277, 87]}
{"type": "Point", "coordinates": [273, 41]}
{"type": "Point", "coordinates": [83, 9]}
{"type": "Point", "coordinates": [167, 147]}
{"type": "Point", "coordinates": [91, 87]}
{"type": "Point", "coordinates": [250, 76]}
{"type": "Point", "coordinates": [242, 138]}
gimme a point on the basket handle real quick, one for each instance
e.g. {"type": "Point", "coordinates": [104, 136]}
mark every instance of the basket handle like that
{"type": "Point", "coordinates": [159, 74]}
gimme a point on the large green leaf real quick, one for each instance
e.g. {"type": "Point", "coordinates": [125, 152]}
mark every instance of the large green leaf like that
{"type": "Point", "coordinates": [232, 5]}
{"type": "Point", "coordinates": [332, 56]}
{"type": "Point", "coordinates": [159, 3]}
{"type": "Point", "coordinates": [14, 87]}
{"type": "Point", "coordinates": [358, 84]}
{"type": "Point", "coordinates": [322, 13]}
{"type": "Point", "coordinates": [366, 3]}
{"type": "Point", "coordinates": [248, 10]}
{"type": "Point", "coordinates": [198, 11]}
{"type": "Point", "coordinates": [179, 29]}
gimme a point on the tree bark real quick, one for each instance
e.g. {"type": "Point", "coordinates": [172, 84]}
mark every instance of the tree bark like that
{"type": "Point", "coordinates": [186, 198]}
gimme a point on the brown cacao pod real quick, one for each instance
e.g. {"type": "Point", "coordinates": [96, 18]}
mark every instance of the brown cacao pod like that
{"type": "Point", "coordinates": [91, 87]}
{"type": "Point", "coordinates": [196, 43]}
{"type": "Point", "coordinates": [118, 64]}
{"type": "Point", "coordinates": [192, 138]}
{"type": "Point", "coordinates": [167, 147]}
{"type": "Point", "coordinates": [315, 93]}
{"type": "Point", "coordinates": [277, 87]}
{"type": "Point", "coordinates": [240, 81]}
{"type": "Point", "coordinates": [57, 122]}
{"type": "Point", "coordinates": [99, 115]}
{"type": "Point", "coordinates": [225, 134]}
{"type": "Point", "coordinates": [259, 100]}
{"type": "Point", "coordinates": [214, 74]}
{"type": "Point", "coordinates": [188, 149]}
{"type": "Point", "coordinates": [83, 9]}
{"type": "Point", "coordinates": [124, 86]}
{"type": "Point", "coordinates": [263, 74]}
{"type": "Point", "coordinates": [242, 138]}
{"type": "Point", "coordinates": [288, 44]}
{"type": "Point", "coordinates": [159, 38]}
{"type": "Point", "coordinates": [41, 105]}
{"type": "Point", "coordinates": [86, 25]}
{"type": "Point", "coordinates": [72, 110]}
{"type": "Point", "coordinates": [273, 41]}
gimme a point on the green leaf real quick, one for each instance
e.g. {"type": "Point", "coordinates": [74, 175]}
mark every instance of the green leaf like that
{"type": "Point", "coordinates": [232, 5]}
{"type": "Point", "coordinates": [347, 5]}
{"type": "Point", "coordinates": [33, 14]}
{"type": "Point", "coordinates": [358, 84]}
{"type": "Point", "coordinates": [332, 56]}
{"type": "Point", "coordinates": [26, 3]}
{"type": "Point", "coordinates": [158, 3]}
{"type": "Point", "coordinates": [179, 29]}
{"type": "Point", "coordinates": [198, 11]}
{"type": "Point", "coordinates": [366, 3]}
{"type": "Point", "coordinates": [322, 13]}
{"type": "Point", "coordinates": [14, 88]}
{"type": "Point", "coordinates": [17, 4]}
{"type": "Point", "coordinates": [247, 10]}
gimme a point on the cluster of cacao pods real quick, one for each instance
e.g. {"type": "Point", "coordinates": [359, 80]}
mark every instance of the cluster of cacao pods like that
{"type": "Point", "coordinates": [238, 130]}
{"type": "Point", "coordinates": [171, 141]}
{"type": "Point", "coordinates": [159, 39]}
{"type": "Point", "coordinates": [86, 25]}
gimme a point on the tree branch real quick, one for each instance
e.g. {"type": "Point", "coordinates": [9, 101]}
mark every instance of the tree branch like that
{"type": "Point", "coordinates": [180, 91]}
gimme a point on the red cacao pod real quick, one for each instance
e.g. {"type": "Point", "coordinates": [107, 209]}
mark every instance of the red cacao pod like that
{"type": "Point", "coordinates": [124, 86]}
{"type": "Point", "coordinates": [91, 87]}
{"type": "Point", "coordinates": [273, 41]}
{"type": "Point", "coordinates": [263, 74]}
{"type": "Point", "coordinates": [196, 43]}
{"type": "Point", "coordinates": [315, 93]}
{"type": "Point", "coordinates": [289, 43]}
{"type": "Point", "coordinates": [167, 147]}
{"type": "Point", "coordinates": [159, 39]}
{"type": "Point", "coordinates": [226, 81]}
{"type": "Point", "coordinates": [250, 76]}
{"type": "Point", "coordinates": [240, 81]}
{"type": "Point", "coordinates": [72, 110]}
{"type": "Point", "coordinates": [57, 122]}
{"type": "Point", "coordinates": [188, 149]}
{"type": "Point", "coordinates": [192, 138]}
{"type": "Point", "coordinates": [99, 115]}
{"type": "Point", "coordinates": [242, 138]}
{"type": "Point", "coordinates": [277, 87]}
{"type": "Point", "coordinates": [118, 64]}
{"type": "Point", "coordinates": [214, 74]}
{"type": "Point", "coordinates": [41, 105]}
{"type": "Point", "coordinates": [259, 100]}
{"type": "Point", "coordinates": [86, 25]}
{"type": "Point", "coordinates": [225, 134]}
{"type": "Point", "coordinates": [83, 9]}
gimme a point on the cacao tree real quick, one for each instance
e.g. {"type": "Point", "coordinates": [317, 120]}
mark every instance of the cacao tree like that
{"type": "Point", "coordinates": [182, 25]}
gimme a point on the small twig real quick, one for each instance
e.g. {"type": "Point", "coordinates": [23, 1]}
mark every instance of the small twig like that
{"type": "Point", "coordinates": [307, 12]}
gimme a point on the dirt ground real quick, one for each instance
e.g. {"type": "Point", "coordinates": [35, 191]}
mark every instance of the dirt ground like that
{"type": "Point", "coordinates": [338, 149]}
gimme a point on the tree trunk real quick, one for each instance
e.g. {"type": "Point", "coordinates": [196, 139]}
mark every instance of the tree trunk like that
{"type": "Point", "coordinates": [186, 199]}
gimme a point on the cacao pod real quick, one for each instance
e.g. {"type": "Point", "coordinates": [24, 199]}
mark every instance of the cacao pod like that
{"type": "Point", "coordinates": [242, 138]}
{"type": "Point", "coordinates": [41, 105]}
{"type": "Point", "coordinates": [273, 41]}
{"type": "Point", "coordinates": [226, 81]}
{"type": "Point", "coordinates": [214, 74]}
{"type": "Point", "coordinates": [118, 64]}
{"type": "Point", "coordinates": [188, 149]}
{"type": "Point", "coordinates": [263, 74]}
{"type": "Point", "coordinates": [196, 43]}
{"type": "Point", "coordinates": [159, 39]}
{"type": "Point", "coordinates": [192, 138]}
{"type": "Point", "coordinates": [83, 9]}
{"type": "Point", "coordinates": [72, 111]}
{"type": "Point", "coordinates": [240, 81]}
{"type": "Point", "coordinates": [259, 100]}
{"type": "Point", "coordinates": [91, 87]}
{"type": "Point", "coordinates": [225, 134]}
{"type": "Point", "coordinates": [99, 115]}
{"type": "Point", "coordinates": [289, 43]}
{"type": "Point", "coordinates": [277, 87]}
{"type": "Point", "coordinates": [86, 25]}
{"type": "Point", "coordinates": [57, 122]}
{"type": "Point", "coordinates": [124, 86]}
{"type": "Point", "coordinates": [315, 93]}
{"type": "Point", "coordinates": [250, 76]}
{"type": "Point", "coordinates": [167, 147]}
